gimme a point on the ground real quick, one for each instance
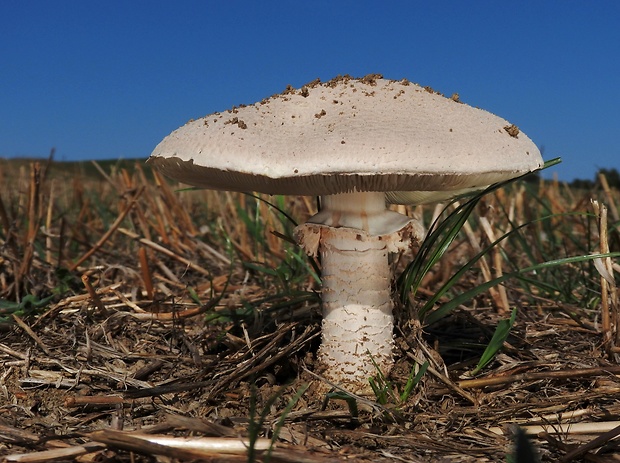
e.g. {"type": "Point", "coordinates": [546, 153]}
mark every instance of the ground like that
{"type": "Point", "coordinates": [147, 324]}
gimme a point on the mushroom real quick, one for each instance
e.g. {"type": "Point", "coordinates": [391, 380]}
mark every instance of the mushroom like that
{"type": "Point", "coordinates": [358, 144]}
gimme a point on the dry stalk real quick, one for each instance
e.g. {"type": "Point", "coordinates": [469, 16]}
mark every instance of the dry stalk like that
{"type": "Point", "coordinates": [165, 251]}
{"type": "Point", "coordinates": [32, 334]}
{"type": "Point", "coordinates": [48, 225]}
{"type": "Point", "coordinates": [180, 218]}
{"type": "Point", "coordinates": [201, 426]}
{"type": "Point", "coordinates": [610, 317]}
{"type": "Point", "coordinates": [141, 314]}
{"type": "Point", "coordinates": [501, 298]}
{"type": "Point", "coordinates": [207, 445]}
{"type": "Point", "coordinates": [480, 383]}
{"type": "Point", "coordinates": [165, 223]}
{"type": "Point", "coordinates": [127, 180]}
{"type": "Point", "coordinates": [142, 222]}
{"type": "Point", "coordinates": [484, 265]}
{"type": "Point", "coordinates": [598, 441]}
{"type": "Point", "coordinates": [93, 295]}
{"type": "Point", "coordinates": [552, 192]}
{"type": "Point", "coordinates": [34, 217]}
{"type": "Point", "coordinates": [565, 428]}
{"type": "Point", "coordinates": [139, 210]}
{"type": "Point", "coordinates": [133, 443]}
{"type": "Point", "coordinates": [209, 252]}
{"type": "Point", "coordinates": [157, 209]}
{"type": "Point", "coordinates": [11, 433]}
{"type": "Point", "coordinates": [103, 173]}
{"type": "Point", "coordinates": [168, 221]}
{"type": "Point", "coordinates": [80, 401]}
{"type": "Point", "coordinates": [4, 219]}
{"type": "Point", "coordinates": [12, 245]}
{"type": "Point", "coordinates": [520, 206]}
{"type": "Point", "coordinates": [109, 233]}
{"type": "Point", "coordinates": [146, 273]}
{"type": "Point", "coordinates": [61, 454]}
{"type": "Point", "coordinates": [445, 379]}
{"type": "Point", "coordinates": [610, 197]}
{"type": "Point", "coordinates": [13, 353]}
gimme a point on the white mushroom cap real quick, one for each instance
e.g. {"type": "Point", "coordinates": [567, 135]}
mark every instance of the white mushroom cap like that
{"type": "Point", "coordinates": [347, 135]}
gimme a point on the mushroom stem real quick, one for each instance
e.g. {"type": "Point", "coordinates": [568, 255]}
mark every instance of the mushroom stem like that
{"type": "Point", "coordinates": [354, 234]}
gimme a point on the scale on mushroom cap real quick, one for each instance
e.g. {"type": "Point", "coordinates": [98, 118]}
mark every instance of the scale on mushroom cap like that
{"type": "Point", "coordinates": [358, 144]}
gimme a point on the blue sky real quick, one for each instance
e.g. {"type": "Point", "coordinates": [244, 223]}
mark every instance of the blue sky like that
{"type": "Point", "coordinates": [110, 79]}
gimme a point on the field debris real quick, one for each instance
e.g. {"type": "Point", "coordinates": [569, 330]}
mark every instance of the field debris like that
{"type": "Point", "coordinates": [137, 316]}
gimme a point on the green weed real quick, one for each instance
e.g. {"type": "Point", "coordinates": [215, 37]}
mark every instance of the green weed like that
{"type": "Point", "coordinates": [385, 391]}
{"type": "Point", "coordinates": [256, 424]}
{"type": "Point", "coordinates": [497, 342]}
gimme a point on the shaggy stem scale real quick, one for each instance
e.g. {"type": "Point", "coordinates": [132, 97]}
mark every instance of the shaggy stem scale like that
{"type": "Point", "coordinates": [354, 234]}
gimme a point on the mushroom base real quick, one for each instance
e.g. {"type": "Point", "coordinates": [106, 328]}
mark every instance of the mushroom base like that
{"type": "Point", "coordinates": [357, 299]}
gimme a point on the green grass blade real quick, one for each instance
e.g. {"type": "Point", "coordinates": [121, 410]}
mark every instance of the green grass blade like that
{"type": "Point", "coordinates": [413, 381]}
{"type": "Point", "coordinates": [434, 246]}
{"type": "Point", "coordinates": [276, 432]}
{"type": "Point", "coordinates": [446, 308]}
{"type": "Point", "coordinates": [428, 306]}
{"type": "Point", "coordinates": [441, 235]}
{"type": "Point", "coordinates": [311, 267]}
{"type": "Point", "coordinates": [497, 342]}
{"type": "Point", "coordinates": [277, 208]}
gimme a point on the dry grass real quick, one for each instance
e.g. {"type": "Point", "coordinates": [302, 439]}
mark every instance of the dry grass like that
{"type": "Point", "coordinates": [131, 312]}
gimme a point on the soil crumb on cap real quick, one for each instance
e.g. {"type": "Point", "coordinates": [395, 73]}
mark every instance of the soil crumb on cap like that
{"type": "Point", "coordinates": [239, 122]}
{"type": "Point", "coordinates": [371, 79]}
{"type": "Point", "coordinates": [512, 130]}
{"type": "Point", "coordinates": [321, 114]}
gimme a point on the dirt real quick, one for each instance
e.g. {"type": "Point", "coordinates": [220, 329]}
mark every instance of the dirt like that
{"type": "Point", "coordinates": [89, 370]}
{"type": "Point", "coordinates": [512, 130]}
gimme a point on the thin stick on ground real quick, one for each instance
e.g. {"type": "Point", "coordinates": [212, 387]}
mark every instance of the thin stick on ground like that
{"type": "Point", "coordinates": [599, 441]}
{"type": "Point", "coordinates": [93, 295]}
{"type": "Point", "coordinates": [32, 334]}
{"type": "Point", "coordinates": [166, 252]}
{"type": "Point", "coordinates": [538, 375]}
{"type": "Point", "coordinates": [62, 454]}
{"type": "Point", "coordinates": [109, 233]}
